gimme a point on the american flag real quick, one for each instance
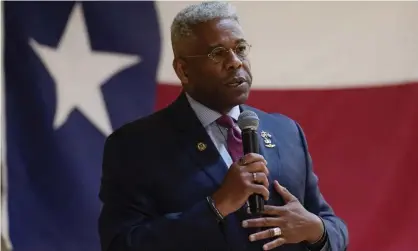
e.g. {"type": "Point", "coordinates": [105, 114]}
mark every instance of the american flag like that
{"type": "Point", "coordinates": [74, 72]}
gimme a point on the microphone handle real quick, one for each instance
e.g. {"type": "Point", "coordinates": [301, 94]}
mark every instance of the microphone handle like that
{"type": "Point", "coordinates": [250, 145]}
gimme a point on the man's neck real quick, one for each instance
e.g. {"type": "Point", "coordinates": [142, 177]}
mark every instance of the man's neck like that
{"type": "Point", "coordinates": [220, 110]}
{"type": "Point", "coordinates": [206, 114]}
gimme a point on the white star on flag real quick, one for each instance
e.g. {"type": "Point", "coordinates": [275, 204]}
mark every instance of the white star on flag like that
{"type": "Point", "coordinates": [79, 72]}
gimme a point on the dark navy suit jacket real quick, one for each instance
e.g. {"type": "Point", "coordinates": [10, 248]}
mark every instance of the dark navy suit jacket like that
{"type": "Point", "coordinates": [155, 181]}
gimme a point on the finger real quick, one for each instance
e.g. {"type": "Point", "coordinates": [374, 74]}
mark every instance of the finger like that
{"type": "Point", "coordinates": [256, 167]}
{"type": "Point", "coordinates": [280, 221]}
{"type": "Point", "coordinates": [259, 178]}
{"type": "Point", "coordinates": [251, 158]}
{"type": "Point", "coordinates": [275, 210]}
{"type": "Point", "coordinates": [261, 235]}
{"type": "Point", "coordinates": [261, 222]}
{"type": "Point", "coordinates": [286, 195]}
{"type": "Point", "coordinates": [273, 244]}
{"type": "Point", "coordinates": [259, 189]}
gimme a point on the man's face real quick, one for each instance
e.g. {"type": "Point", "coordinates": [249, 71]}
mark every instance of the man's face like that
{"type": "Point", "coordinates": [224, 82]}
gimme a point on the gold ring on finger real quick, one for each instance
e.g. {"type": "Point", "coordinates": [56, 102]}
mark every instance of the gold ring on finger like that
{"type": "Point", "coordinates": [254, 177]}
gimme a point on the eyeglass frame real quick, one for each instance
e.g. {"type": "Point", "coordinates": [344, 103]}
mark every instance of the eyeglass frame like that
{"type": "Point", "coordinates": [221, 47]}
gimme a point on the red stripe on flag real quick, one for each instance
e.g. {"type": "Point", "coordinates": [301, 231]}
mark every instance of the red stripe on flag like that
{"type": "Point", "coordinates": [364, 143]}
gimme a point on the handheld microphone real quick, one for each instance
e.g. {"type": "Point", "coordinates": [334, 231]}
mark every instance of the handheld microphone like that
{"type": "Point", "coordinates": [248, 123]}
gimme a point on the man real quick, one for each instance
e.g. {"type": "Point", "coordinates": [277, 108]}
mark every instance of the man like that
{"type": "Point", "coordinates": [176, 180]}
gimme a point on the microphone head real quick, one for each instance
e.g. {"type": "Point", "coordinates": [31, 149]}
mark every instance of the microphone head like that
{"type": "Point", "coordinates": [248, 120]}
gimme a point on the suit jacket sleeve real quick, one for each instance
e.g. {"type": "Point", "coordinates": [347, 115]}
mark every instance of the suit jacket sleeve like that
{"type": "Point", "coordinates": [129, 219]}
{"type": "Point", "coordinates": [314, 202]}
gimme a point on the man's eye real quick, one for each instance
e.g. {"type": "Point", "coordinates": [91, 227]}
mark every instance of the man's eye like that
{"type": "Point", "coordinates": [242, 49]}
{"type": "Point", "coordinates": [218, 52]}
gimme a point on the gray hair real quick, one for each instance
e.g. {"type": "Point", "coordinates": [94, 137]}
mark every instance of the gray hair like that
{"type": "Point", "coordinates": [199, 13]}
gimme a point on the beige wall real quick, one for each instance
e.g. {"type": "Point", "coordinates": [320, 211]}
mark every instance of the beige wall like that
{"type": "Point", "coordinates": [320, 44]}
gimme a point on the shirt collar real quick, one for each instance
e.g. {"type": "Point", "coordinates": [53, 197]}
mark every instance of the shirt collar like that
{"type": "Point", "coordinates": [206, 115]}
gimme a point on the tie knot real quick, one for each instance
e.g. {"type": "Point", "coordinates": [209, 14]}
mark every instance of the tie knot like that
{"type": "Point", "coordinates": [225, 121]}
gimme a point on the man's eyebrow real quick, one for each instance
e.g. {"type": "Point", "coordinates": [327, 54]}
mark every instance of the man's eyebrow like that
{"type": "Point", "coordinates": [211, 47]}
{"type": "Point", "coordinates": [241, 40]}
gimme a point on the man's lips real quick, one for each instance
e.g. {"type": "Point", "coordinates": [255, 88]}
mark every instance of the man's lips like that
{"type": "Point", "coordinates": [236, 81]}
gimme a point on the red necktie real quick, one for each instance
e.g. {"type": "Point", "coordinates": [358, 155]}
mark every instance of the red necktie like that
{"type": "Point", "coordinates": [233, 140]}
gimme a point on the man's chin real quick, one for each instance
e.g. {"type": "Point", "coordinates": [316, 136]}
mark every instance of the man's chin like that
{"type": "Point", "coordinates": [239, 99]}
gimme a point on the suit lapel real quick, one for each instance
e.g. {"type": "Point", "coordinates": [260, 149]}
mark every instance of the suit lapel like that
{"type": "Point", "coordinates": [206, 156]}
{"type": "Point", "coordinates": [193, 138]}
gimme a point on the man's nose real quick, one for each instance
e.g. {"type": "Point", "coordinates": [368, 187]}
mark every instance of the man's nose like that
{"type": "Point", "coordinates": [233, 61]}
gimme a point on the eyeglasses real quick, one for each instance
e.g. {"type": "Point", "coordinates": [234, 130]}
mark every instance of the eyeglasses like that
{"type": "Point", "coordinates": [219, 54]}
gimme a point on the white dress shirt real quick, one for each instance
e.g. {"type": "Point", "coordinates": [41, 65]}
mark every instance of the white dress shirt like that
{"type": "Point", "coordinates": [217, 133]}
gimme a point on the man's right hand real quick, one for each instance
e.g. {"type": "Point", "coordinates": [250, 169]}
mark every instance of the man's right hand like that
{"type": "Point", "coordinates": [239, 183]}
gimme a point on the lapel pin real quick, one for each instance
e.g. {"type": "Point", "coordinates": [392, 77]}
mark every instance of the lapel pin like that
{"type": "Point", "coordinates": [267, 139]}
{"type": "Point", "coordinates": [201, 146]}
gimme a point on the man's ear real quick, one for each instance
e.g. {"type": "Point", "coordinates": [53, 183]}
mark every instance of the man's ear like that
{"type": "Point", "coordinates": [180, 67]}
